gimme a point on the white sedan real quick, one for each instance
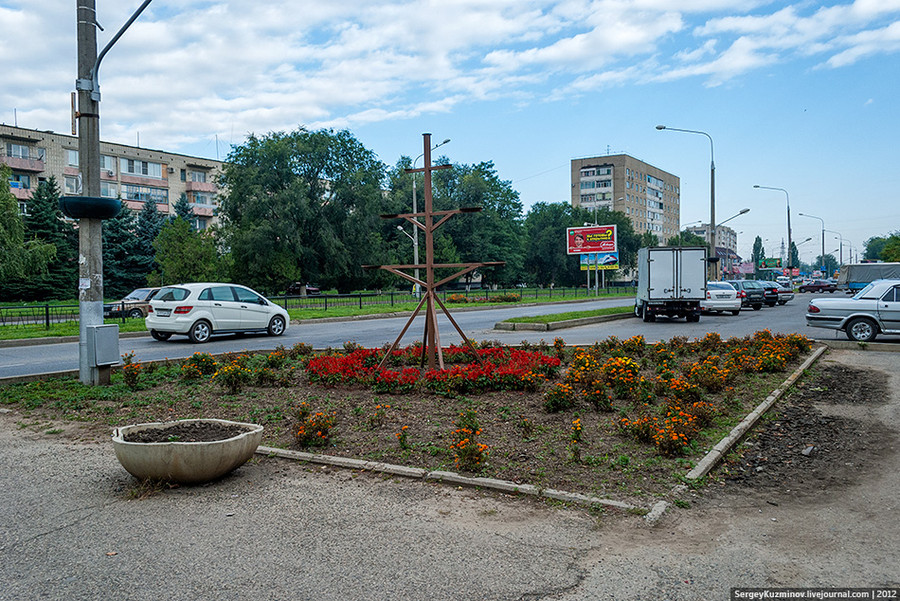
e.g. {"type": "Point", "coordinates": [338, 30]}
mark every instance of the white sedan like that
{"type": "Point", "coordinates": [201, 310]}
{"type": "Point", "coordinates": [873, 310]}
{"type": "Point", "coordinates": [721, 296]}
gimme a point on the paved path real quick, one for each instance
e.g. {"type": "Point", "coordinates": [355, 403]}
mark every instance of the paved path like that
{"type": "Point", "coordinates": [278, 530]}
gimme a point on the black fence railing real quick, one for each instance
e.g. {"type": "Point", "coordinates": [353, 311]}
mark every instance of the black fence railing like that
{"type": "Point", "coordinates": [45, 315]}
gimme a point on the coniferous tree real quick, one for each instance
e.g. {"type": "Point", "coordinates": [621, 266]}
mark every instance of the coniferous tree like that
{"type": "Point", "coordinates": [147, 226]}
{"type": "Point", "coordinates": [123, 262]}
{"type": "Point", "coordinates": [44, 222]}
{"type": "Point", "coordinates": [183, 209]}
{"type": "Point", "coordinates": [18, 255]}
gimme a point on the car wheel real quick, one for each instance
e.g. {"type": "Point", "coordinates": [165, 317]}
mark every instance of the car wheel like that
{"type": "Point", "coordinates": [770, 304]}
{"type": "Point", "coordinates": [757, 307]}
{"type": "Point", "coordinates": [782, 303]}
{"type": "Point", "coordinates": [276, 326]}
{"type": "Point", "coordinates": [738, 312]}
{"type": "Point", "coordinates": [861, 329]}
{"type": "Point", "coordinates": [692, 318]}
{"type": "Point", "coordinates": [136, 314]}
{"type": "Point", "coordinates": [161, 336]}
{"type": "Point", "coordinates": [200, 332]}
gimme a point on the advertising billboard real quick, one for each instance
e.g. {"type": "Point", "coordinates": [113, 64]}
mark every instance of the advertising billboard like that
{"type": "Point", "coordinates": [591, 239]}
{"type": "Point", "coordinates": [592, 261]}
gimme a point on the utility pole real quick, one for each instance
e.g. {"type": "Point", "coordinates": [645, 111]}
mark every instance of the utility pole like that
{"type": "Point", "coordinates": [90, 232]}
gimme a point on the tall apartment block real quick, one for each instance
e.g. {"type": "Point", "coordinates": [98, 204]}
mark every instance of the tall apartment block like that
{"type": "Point", "coordinates": [135, 175]}
{"type": "Point", "coordinates": [726, 245]}
{"type": "Point", "coordinates": [649, 196]}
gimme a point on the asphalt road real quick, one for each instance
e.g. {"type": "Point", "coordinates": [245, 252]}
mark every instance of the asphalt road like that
{"type": "Point", "coordinates": [478, 325]}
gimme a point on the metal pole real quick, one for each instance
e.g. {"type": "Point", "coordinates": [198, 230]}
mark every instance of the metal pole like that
{"type": "Point", "coordinates": [90, 254]}
{"type": "Point", "coordinates": [417, 287]}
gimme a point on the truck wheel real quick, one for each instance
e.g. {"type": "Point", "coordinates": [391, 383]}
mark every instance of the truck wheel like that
{"type": "Point", "coordinates": [637, 311]}
{"type": "Point", "coordinates": [647, 315]}
{"type": "Point", "coordinates": [861, 329]}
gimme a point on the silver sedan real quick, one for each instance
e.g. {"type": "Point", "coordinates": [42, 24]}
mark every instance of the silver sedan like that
{"type": "Point", "coordinates": [873, 310]}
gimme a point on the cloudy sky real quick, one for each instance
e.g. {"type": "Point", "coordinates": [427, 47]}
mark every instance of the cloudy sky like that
{"type": "Point", "coordinates": [796, 95]}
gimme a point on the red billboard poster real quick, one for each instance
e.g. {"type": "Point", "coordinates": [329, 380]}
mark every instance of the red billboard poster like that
{"type": "Point", "coordinates": [591, 239]}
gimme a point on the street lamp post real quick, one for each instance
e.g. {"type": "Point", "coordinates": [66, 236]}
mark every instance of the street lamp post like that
{"type": "Point", "coordinates": [727, 251]}
{"type": "Point", "coordinates": [415, 239]}
{"type": "Point", "coordinates": [823, 233]}
{"type": "Point", "coordinates": [712, 196]}
{"type": "Point", "coordinates": [841, 258]}
{"type": "Point", "coordinates": [788, 198]}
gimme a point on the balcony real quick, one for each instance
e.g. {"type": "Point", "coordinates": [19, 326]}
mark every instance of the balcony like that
{"type": "Point", "coordinates": [200, 187]}
{"type": "Point", "coordinates": [20, 193]}
{"type": "Point", "coordinates": [33, 164]}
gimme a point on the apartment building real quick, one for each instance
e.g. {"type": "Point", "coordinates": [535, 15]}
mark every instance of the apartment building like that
{"type": "Point", "coordinates": [649, 196]}
{"type": "Point", "coordinates": [726, 245]}
{"type": "Point", "coordinates": [134, 175]}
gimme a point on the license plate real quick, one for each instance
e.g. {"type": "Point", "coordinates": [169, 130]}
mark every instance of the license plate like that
{"type": "Point", "coordinates": [721, 296]}
{"type": "Point", "coordinates": [164, 312]}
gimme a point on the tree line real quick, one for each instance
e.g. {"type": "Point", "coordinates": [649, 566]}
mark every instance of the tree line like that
{"type": "Point", "coordinates": [305, 206]}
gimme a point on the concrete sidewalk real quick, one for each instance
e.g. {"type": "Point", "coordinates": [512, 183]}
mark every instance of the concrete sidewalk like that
{"type": "Point", "coordinates": [281, 530]}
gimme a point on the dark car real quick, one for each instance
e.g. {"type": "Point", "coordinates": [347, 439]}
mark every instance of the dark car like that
{"type": "Point", "coordinates": [818, 286]}
{"type": "Point", "coordinates": [751, 293]}
{"type": "Point", "coordinates": [301, 289]}
{"type": "Point", "coordinates": [770, 294]}
{"type": "Point", "coordinates": [134, 305]}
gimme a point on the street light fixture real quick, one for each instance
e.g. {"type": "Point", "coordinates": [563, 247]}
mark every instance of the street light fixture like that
{"type": "Point", "coordinates": [823, 232]}
{"type": "Point", "coordinates": [730, 261]}
{"type": "Point", "coordinates": [418, 287]}
{"type": "Point", "coordinates": [788, 198]}
{"type": "Point", "coordinates": [712, 195]}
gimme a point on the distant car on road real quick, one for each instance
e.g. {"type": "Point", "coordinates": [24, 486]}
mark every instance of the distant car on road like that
{"type": "Point", "coordinates": [818, 286]}
{"type": "Point", "coordinates": [134, 305]}
{"type": "Point", "coordinates": [770, 293]}
{"type": "Point", "coordinates": [873, 310]}
{"type": "Point", "coordinates": [720, 296]}
{"type": "Point", "coordinates": [785, 293]}
{"type": "Point", "coordinates": [751, 293]}
{"type": "Point", "coordinates": [203, 309]}
{"type": "Point", "coordinates": [301, 289]}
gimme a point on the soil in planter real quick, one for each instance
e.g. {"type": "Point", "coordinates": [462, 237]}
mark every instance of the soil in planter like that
{"type": "Point", "coordinates": [187, 432]}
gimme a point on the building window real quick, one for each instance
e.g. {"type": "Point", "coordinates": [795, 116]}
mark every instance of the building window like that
{"type": "Point", "coordinates": [108, 163]}
{"type": "Point", "coordinates": [142, 168]}
{"type": "Point", "coordinates": [72, 158]}
{"type": "Point", "coordinates": [588, 185]}
{"type": "Point", "coordinates": [145, 194]}
{"type": "Point", "coordinates": [183, 175]}
{"type": "Point", "coordinates": [20, 180]}
{"type": "Point", "coordinates": [71, 185]}
{"type": "Point", "coordinates": [20, 151]}
{"type": "Point", "coordinates": [588, 172]}
{"type": "Point", "coordinates": [202, 198]}
{"type": "Point", "coordinates": [198, 176]}
{"type": "Point", "coordinates": [109, 190]}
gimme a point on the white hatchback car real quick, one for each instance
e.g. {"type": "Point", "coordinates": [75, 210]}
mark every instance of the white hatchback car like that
{"type": "Point", "coordinates": [721, 296]}
{"type": "Point", "coordinates": [201, 310]}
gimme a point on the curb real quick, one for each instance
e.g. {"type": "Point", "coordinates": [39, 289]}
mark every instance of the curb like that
{"type": "Point", "coordinates": [848, 345]}
{"type": "Point", "coordinates": [504, 486]}
{"type": "Point", "coordinates": [558, 325]}
{"type": "Point", "coordinates": [59, 339]}
{"type": "Point", "coordinates": [711, 459]}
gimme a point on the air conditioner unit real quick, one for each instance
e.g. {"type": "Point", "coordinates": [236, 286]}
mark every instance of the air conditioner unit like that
{"type": "Point", "coordinates": [171, 169]}
{"type": "Point", "coordinates": [110, 174]}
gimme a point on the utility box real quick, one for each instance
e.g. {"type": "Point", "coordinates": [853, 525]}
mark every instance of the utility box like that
{"type": "Point", "coordinates": [671, 282]}
{"type": "Point", "coordinates": [103, 345]}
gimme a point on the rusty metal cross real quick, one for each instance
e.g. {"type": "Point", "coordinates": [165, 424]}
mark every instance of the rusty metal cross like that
{"type": "Point", "coordinates": [431, 348]}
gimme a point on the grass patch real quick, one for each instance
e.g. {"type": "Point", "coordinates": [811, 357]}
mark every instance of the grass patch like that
{"type": "Point", "coordinates": [571, 315]}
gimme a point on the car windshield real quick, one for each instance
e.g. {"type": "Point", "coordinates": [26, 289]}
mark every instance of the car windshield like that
{"type": "Point", "coordinates": [862, 293]}
{"type": "Point", "coordinates": [172, 294]}
{"type": "Point", "coordinates": [139, 294]}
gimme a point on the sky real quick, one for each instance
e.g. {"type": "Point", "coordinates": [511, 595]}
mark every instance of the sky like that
{"type": "Point", "coordinates": [795, 95]}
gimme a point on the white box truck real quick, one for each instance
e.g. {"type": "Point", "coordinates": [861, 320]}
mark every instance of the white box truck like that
{"type": "Point", "coordinates": [671, 282]}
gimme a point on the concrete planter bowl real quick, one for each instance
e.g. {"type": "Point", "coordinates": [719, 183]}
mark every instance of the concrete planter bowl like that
{"type": "Point", "coordinates": [185, 462]}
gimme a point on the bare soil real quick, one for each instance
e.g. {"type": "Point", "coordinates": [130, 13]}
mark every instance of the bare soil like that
{"type": "Point", "coordinates": [819, 438]}
{"type": "Point", "coordinates": [187, 432]}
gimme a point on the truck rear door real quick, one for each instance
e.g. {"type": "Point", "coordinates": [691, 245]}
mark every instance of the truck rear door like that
{"type": "Point", "coordinates": [662, 268]}
{"type": "Point", "coordinates": [692, 282]}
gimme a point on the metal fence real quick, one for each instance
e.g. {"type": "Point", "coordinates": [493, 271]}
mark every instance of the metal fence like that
{"type": "Point", "coordinates": [45, 315]}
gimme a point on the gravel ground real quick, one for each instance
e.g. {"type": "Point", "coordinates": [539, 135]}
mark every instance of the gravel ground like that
{"type": "Point", "coordinates": [278, 530]}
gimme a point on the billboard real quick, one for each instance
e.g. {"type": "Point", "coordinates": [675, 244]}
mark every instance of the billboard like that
{"type": "Point", "coordinates": [770, 263]}
{"type": "Point", "coordinates": [592, 261]}
{"type": "Point", "coordinates": [591, 239]}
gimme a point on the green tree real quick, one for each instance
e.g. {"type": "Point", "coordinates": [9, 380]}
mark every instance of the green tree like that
{"type": "Point", "coordinates": [830, 262]}
{"type": "Point", "coordinates": [685, 238]}
{"type": "Point", "coordinates": [18, 255]}
{"type": "Point", "coordinates": [891, 250]}
{"type": "Point", "coordinates": [794, 261]}
{"type": "Point", "coordinates": [183, 209]}
{"type": "Point", "coordinates": [874, 246]}
{"type": "Point", "coordinates": [302, 206]}
{"type": "Point", "coordinates": [185, 255]}
{"type": "Point", "coordinates": [492, 234]}
{"type": "Point", "coordinates": [124, 264]}
{"type": "Point", "coordinates": [757, 254]}
{"type": "Point", "coordinates": [146, 228]}
{"type": "Point", "coordinates": [44, 222]}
